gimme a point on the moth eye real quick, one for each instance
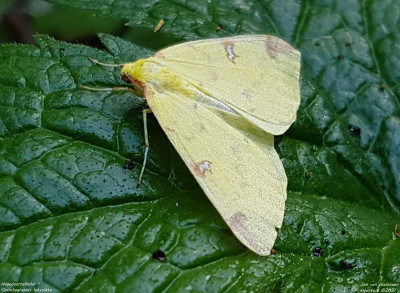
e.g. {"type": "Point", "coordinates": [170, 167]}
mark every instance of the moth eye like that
{"type": "Point", "coordinates": [126, 78]}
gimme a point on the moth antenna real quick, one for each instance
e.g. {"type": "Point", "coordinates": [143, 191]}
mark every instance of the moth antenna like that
{"type": "Point", "coordinates": [114, 89]}
{"type": "Point", "coordinates": [105, 64]}
{"type": "Point", "coordinates": [95, 88]}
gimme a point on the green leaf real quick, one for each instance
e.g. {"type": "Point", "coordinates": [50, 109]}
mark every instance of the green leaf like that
{"type": "Point", "coordinates": [73, 219]}
{"type": "Point", "coordinates": [194, 19]}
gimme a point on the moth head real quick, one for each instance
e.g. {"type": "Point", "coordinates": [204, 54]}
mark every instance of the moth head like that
{"type": "Point", "coordinates": [132, 73]}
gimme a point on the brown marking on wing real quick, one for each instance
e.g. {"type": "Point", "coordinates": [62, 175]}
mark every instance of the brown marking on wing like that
{"type": "Point", "coordinates": [159, 54]}
{"type": "Point", "coordinates": [274, 47]}
{"type": "Point", "coordinates": [147, 92]}
{"type": "Point", "coordinates": [169, 129]}
{"type": "Point", "coordinates": [238, 223]}
{"type": "Point", "coordinates": [202, 167]}
{"type": "Point", "coordinates": [229, 46]}
{"type": "Point", "coordinates": [228, 43]}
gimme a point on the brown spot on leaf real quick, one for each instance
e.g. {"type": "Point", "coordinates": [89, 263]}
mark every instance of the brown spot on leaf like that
{"type": "Point", "coordinates": [355, 129]}
{"type": "Point", "coordinates": [396, 231]}
{"type": "Point", "coordinates": [275, 46]}
{"type": "Point", "coordinates": [318, 252]}
{"type": "Point", "coordinates": [344, 264]}
{"type": "Point", "coordinates": [238, 224]}
{"type": "Point", "coordinates": [159, 255]}
{"type": "Point", "coordinates": [201, 168]}
{"type": "Point", "coordinates": [129, 165]}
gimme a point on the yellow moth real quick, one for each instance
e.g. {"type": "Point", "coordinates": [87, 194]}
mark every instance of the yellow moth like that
{"type": "Point", "coordinates": [220, 101]}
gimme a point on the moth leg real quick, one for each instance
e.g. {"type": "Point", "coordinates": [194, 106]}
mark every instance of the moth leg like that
{"type": "Point", "coordinates": [146, 141]}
